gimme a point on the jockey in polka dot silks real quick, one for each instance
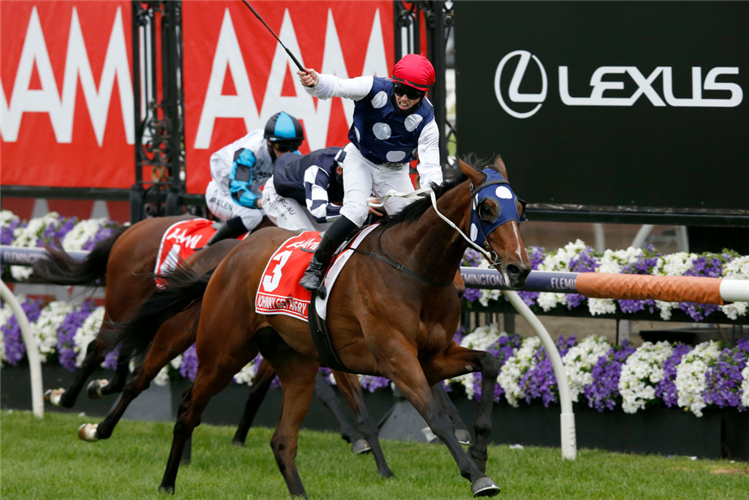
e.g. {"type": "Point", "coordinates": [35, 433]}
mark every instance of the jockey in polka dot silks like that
{"type": "Point", "coordinates": [393, 119]}
{"type": "Point", "coordinates": [240, 169]}
{"type": "Point", "coordinates": [305, 192]}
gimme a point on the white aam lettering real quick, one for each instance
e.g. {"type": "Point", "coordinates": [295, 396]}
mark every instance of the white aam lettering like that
{"type": "Point", "coordinates": [61, 107]}
{"type": "Point", "coordinates": [228, 56]}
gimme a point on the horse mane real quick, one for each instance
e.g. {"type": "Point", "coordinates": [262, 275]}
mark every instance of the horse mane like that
{"type": "Point", "coordinates": [416, 209]}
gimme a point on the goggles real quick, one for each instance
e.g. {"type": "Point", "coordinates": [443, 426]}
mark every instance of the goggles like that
{"type": "Point", "coordinates": [410, 92]}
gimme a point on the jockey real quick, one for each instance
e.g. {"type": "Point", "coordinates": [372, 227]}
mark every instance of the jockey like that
{"type": "Point", "coordinates": [313, 181]}
{"type": "Point", "coordinates": [392, 118]}
{"type": "Point", "coordinates": [240, 169]}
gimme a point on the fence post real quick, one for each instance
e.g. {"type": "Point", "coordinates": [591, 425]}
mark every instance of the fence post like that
{"type": "Point", "coordinates": [32, 353]}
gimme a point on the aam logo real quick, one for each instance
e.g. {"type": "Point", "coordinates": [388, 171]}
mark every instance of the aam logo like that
{"type": "Point", "coordinates": [613, 79]}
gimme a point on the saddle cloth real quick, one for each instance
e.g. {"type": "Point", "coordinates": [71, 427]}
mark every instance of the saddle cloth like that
{"type": "Point", "coordinates": [280, 292]}
{"type": "Point", "coordinates": [180, 241]}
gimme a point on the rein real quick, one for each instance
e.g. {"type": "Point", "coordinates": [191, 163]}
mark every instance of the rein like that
{"type": "Point", "coordinates": [400, 267]}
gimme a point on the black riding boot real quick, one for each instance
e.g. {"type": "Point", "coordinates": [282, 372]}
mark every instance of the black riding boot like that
{"type": "Point", "coordinates": [229, 229]}
{"type": "Point", "coordinates": [331, 239]}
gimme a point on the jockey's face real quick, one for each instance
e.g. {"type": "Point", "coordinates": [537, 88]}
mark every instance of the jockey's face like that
{"type": "Point", "coordinates": [406, 97]}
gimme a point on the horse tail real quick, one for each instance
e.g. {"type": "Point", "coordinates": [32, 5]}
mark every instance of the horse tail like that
{"type": "Point", "coordinates": [62, 269]}
{"type": "Point", "coordinates": [180, 290]}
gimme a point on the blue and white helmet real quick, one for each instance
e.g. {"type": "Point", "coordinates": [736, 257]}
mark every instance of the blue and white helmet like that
{"type": "Point", "coordinates": [284, 130]}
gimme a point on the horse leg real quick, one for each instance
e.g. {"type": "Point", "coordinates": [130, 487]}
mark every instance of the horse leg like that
{"type": "Point", "coordinates": [170, 340]}
{"type": "Point", "coordinates": [260, 385]}
{"type": "Point", "coordinates": [326, 395]}
{"type": "Point", "coordinates": [402, 367]}
{"type": "Point", "coordinates": [66, 397]}
{"type": "Point", "coordinates": [102, 387]}
{"type": "Point", "coordinates": [215, 371]}
{"type": "Point", "coordinates": [297, 375]}
{"type": "Point", "coordinates": [351, 389]}
{"type": "Point", "coordinates": [461, 429]}
{"type": "Point", "coordinates": [457, 361]}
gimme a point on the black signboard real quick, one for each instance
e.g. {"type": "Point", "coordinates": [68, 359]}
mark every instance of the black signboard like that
{"type": "Point", "coordinates": [614, 108]}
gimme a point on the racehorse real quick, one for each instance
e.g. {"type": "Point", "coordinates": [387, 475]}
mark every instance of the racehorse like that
{"type": "Point", "coordinates": [126, 261]}
{"type": "Point", "coordinates": [381, 320]}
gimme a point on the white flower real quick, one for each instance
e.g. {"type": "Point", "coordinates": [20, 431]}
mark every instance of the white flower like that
{"type": "Point", "coordinates": [601, 306]}
{"type": "Point", "coordinates": [480, 339]}
{"type": "Point", "coordinates": [580, 360]}
{"type": "Point", "coordinates": [613, 261]}
{"type": "Point", "coordinates": [87, 332]}
{"type": "Point", "coordinates": [641, 373]}
{"type": "Point", "coordinates": [246, 375]}
{"type": "Point", "coordinates": [6, 217]}
{"type": "Point", "coordinates": [162, 378]}
{"type": "Point", "coordinates": [45, 327]}
{"type": "Point", "coordinates": [691, 376]}
{"type": "Point", "coordinates": [515, 367]}
{"type": "Point", "coordinates": [28, 237]}
{"type": "Point", "coordinates": [81, 233]}
{"type": "Point", "coordinates": [737, 269]}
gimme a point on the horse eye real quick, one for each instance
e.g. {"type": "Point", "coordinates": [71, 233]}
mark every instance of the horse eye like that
{"type": "Point", "coordinates": [489, 211]}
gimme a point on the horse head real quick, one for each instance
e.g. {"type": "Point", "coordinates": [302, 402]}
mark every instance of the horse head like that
{"type": "Point", "coordinates": [494, 221]}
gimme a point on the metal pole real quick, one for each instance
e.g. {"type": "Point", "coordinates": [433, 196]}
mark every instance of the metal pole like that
{"type": "Point", "coordinates": [32, 353]}
{"type": "Point", "coordinates": [567, 418]}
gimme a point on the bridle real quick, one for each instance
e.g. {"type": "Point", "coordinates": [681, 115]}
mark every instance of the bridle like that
{"type": "Point", "coordinates": [481, 226]}
{"type": "Point", "coordinates": [506, 199]}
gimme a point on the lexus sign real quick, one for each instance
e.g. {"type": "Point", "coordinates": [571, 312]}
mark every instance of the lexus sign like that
{"type": "Point", "coordinates": [631, 105]}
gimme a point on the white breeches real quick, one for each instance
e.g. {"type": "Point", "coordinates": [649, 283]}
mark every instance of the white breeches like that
{"type": "Point", "coordinates": [222, 206]}
{"type": "Point", "coordinates": [287, 212]}
{"type": "Point", "coordinates": [361, 178]}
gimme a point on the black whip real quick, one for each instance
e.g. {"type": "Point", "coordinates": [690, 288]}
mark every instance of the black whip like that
{"type": "Point", "coordinates": [279, 40]}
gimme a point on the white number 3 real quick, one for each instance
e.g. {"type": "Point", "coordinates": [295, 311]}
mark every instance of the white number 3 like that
{"type": "Point", "coordinates": [270, 283]}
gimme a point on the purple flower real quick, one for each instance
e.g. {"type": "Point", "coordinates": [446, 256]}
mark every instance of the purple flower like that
{"type": "Point", "coordinates": [104, 232]}
{"type": "Point", "coordinates": [724, 377]}
{"type": "Point", "coordinates": [472, 294]}
{"type": "Point", "coordinates": [503, 349]}
{"type": "Point", "coordinates": [644, 265]}
{"type": "Point", "coordinates": [603, 393]}
{"type": "Point", "coordinates": [6, 232]}
{"type": "Point", "coordinates": [666, 388]}
{"type": "Point", "coordinates": [189, 366]}
{"type": "Point", "coordinates": [66, 333]}
{"type": "Point", "coordinates": [371, 383]}
{"type": "Point", "coordinates": [15, 348]}
{"type": "Point", "coordinates": [709, 265]}
{"type": "Point", "coordinates": [540, 381]}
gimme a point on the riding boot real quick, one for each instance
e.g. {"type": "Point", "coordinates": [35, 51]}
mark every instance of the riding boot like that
{"type": "Point", "coordinates": [229, 229]}
{"type": "Point", "coordinates": [331, 239]}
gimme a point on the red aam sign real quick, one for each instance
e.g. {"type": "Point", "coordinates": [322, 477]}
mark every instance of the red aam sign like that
{"type": "Point", "coordinates": [66, 81]}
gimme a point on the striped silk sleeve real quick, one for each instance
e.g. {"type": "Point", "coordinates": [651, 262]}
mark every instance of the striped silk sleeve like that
{"type": "Point", "coordinates": [316, 182]}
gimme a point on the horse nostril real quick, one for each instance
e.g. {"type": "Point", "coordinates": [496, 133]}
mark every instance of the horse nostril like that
{"type": "Point", "coordinates": [518, 273]}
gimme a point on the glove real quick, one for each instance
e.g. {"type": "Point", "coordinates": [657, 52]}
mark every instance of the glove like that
{"type": "Point", "coordinates": [246, 198]}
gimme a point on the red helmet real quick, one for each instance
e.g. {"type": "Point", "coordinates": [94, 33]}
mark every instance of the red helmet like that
{"type": "Point", "coordinates": [415, 71]}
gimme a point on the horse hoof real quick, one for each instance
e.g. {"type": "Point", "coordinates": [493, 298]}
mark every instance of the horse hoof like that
{"type": "Point", "coordinates": [484, 487]}
{"type": "Point", "coordinates": [464, 437]}
{"type": "Point", "coordinates": [95, 387]}
{"type": "Point", "coordinates": [237, 442]}
{"type": "Point", "coordinates": [169, 490]}
{"type": "Point", "coordinates": [87, 432]}
{"type": "Point", "coordinates": [53, 396]}
{"type": "Point", "coordinates": [360, 446]}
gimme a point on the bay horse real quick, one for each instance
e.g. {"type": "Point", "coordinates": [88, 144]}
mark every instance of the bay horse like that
{"type": "Point", "coordinates": [125, 262]}
{"type": "Point", "coordinates": [381, 321]}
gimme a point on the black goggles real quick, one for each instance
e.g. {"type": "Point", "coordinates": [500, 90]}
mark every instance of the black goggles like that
{"type": "Point", "coordinates": [287, 146]}
{"type": "Point", "coordinates": [410, 92]}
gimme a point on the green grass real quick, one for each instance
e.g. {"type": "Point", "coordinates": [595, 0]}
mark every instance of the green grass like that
{"type": "Point", "coordinates": [44, 459]}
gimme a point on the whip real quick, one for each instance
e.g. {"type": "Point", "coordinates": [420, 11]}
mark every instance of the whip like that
{"type": "Point", "coordinates": [298, 65]}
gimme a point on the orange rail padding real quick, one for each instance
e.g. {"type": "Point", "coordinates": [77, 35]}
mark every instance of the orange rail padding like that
{"type": "Point", "coordinates": [637, 287]}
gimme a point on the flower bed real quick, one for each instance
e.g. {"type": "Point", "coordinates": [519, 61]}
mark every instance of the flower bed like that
{"type": "Point", "coordinates": [578, 257]}
{"type": "Point", "coordinates": [603, 378]}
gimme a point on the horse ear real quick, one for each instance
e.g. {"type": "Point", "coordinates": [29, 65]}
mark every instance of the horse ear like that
{"type": "Point", "coordinates": [474, 175]}
{"type": "Point", "coordinates": [500, 164]}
